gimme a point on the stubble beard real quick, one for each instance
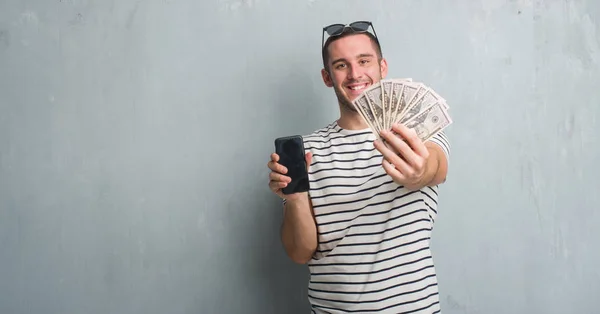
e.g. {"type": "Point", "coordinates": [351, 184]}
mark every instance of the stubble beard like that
{"type": "Point", "coordinates": [344, 101]}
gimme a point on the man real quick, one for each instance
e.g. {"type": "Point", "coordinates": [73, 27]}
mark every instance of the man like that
{"type": "Point", "coordinates": [364, 227]}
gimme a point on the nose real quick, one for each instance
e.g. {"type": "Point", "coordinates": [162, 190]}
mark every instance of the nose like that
{"type": "Point", "coordinates": [354, 72]}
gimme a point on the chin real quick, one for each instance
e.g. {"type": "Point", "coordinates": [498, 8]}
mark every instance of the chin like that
{"type": "Point", "coordinates": [346, 99]}
{"type": "Point", "coordinates": [348, 105]}
{"type": "Point", "coordinates": [352, 97]}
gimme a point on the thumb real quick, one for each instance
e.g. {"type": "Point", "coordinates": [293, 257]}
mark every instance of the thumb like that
{"type": "Point", "coordinates": [308, 158]}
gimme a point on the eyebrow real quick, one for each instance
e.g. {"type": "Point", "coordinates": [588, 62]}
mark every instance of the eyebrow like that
{"type": "Point", "coordinates": [362, 55]}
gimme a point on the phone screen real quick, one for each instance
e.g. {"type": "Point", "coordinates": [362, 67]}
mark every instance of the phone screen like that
{"type": "Point", "coordinates": [291, 155]}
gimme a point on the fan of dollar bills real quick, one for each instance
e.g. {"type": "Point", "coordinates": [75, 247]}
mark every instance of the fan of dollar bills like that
{"type": "Point", "coordinates": [413, 104]}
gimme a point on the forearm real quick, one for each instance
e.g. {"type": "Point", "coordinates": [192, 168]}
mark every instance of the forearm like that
{"type": "Point", "coordinates": [299, 231]}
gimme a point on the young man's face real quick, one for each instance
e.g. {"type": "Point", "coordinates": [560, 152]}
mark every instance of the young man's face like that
{"type": "Point", "coordinates": [353, 66]}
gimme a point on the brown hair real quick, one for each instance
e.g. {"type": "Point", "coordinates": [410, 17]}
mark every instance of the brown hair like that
{"type": "Point", "coordinates": [347, 32]}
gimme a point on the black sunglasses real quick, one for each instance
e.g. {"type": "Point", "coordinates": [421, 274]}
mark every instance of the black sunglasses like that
{"type": "Point", "coordinates": [337, 29]}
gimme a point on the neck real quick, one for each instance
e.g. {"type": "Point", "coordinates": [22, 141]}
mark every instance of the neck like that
{"type": "Point", "coordinates": [350, 119]}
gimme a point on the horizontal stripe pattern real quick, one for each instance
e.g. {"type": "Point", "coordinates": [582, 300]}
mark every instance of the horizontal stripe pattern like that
{"type": "Point", "coordinates": [374, 235]}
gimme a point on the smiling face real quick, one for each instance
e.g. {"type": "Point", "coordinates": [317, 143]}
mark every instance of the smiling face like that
{"type": "Point", "coordinates": [352, 66]}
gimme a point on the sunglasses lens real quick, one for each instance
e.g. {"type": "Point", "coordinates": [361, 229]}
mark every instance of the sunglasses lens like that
{"type": "Point", "coordinates": [360, 26]}
{"type": "Point", "coordinates": [335, 29]}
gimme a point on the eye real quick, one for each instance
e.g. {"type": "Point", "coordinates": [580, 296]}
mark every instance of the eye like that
{"type": "Point", "coordinates": [340, 65]}
{"type": "Point", "coordinates": [364, 61]}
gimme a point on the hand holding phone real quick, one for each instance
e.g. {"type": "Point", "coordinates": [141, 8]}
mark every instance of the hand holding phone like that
{"type": "Point", "coordinates": [289, 167]}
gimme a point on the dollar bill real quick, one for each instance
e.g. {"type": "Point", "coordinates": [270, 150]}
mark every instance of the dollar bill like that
{"type": "Point", "coordinates": [430, 97]}
{"type": "Point", "coordinates": [420, 91]}
{"type": "Point", "coordinates": [409, 92]}
{"type": "Point", "coordinates": [362, 106]}
{"type": "Point", "coordinates": [429, 122]}
{"type": "Point", "coordinates": [386, 89]}
{"type": "Point", "coordinates": [396, 95]}
{"type": "Point", "coordinates": [413, 104]}
{"type": "Point", "coordinates": [424, 98]}
{"type": "Point", "coordinates": [374, 98]}
{"type": "Point", "coordinates": [391, 90]}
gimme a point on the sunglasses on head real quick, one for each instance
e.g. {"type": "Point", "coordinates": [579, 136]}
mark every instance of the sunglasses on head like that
{"type": "Point", "coordinates": [338, 29]}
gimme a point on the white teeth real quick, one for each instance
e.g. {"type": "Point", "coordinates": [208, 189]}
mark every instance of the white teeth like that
{"type": "Point", "coordinates": [358, 87]}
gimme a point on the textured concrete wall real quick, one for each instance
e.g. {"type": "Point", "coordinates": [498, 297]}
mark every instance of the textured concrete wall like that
{"type": "Point", "coordinates": [134, 137]}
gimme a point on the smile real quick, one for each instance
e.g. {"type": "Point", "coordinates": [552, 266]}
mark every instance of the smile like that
{"type": "Point", "coordinates": [358, 87]}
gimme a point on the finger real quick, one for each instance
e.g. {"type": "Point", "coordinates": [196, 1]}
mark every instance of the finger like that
{"type": "Point", "coordinates": [389, 153]}
{"type": "Point", "coordinates": [401, 166]}
{"type": "Point", "coordinates": [393, 172]}
{"type": "Point", "coordinates": [308, 158]}
{"type": "Point", "coordinates": [396, 162]}
{"type": "Point", "coordinates": [275, 186]}
{"type": "Point", "coordinates": [274, 157]}
{"type": "Point", "coordinates": [385, 150]}
{"type": "Point", "coordinates": [411, 137]}
{"type": "Point", "coordinates": [402, 148]}
{"type": "Point", "coordinates": [274, 176]}
{"type": "Point", "coordinates": [274, 166]}
{"type": "Point", "coordinates": [392, 140]}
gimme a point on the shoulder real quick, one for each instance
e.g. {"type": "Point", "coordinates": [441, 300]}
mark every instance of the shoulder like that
{"type": "Point", "coordinates": [442, 140]}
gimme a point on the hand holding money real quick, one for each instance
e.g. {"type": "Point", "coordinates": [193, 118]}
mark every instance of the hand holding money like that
{"type": "Point", "coordinates": [404, 156]}
{"type": "Point", "coordinates": [403, 115]}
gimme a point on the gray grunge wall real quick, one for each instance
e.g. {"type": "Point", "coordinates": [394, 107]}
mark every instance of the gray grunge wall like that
{"type": "Point", "coordinates": [134, 137]}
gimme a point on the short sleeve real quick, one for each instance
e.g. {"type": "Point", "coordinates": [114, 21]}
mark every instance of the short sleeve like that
{"type": "Point", "coordinates": [441, 139]}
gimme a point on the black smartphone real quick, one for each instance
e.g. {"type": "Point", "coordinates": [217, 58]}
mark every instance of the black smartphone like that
{"type": "Point", "coordinates": [291, 155]}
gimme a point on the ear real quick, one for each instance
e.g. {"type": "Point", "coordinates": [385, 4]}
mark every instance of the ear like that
{"type": "Point", "coordinates": [326, 78]}
{"type": "Point", "coordinates": [384, 68]}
